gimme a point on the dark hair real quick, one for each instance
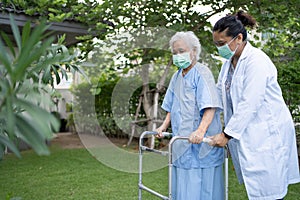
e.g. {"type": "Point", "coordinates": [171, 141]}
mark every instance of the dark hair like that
{"type": "Point", "coordinates": [235, 23]}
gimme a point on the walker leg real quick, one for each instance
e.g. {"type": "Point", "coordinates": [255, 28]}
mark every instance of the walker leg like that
{"type": "Point", "coordinates": [226, 174]}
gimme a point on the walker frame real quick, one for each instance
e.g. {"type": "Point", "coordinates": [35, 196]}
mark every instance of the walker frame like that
{"type": "Point", "coordinates": [143, 148]}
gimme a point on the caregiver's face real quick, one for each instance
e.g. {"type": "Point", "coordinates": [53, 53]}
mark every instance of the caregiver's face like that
{"type": "Point", "coordinates": [220, 39]}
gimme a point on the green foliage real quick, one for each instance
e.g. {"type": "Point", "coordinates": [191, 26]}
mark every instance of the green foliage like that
{"type": "Point", "coordinates": [101, 91]}
{"type": "Point", "coordinates": [279, 24]}
{"type": "Point", "coordinates": [57, 10]}
{"type": "Point", "coordinates": [184, 15]}
{"type": "Point", "coordinates": [289, 79]}
{"type": "Point", "coordinates": [278, 20]}
{"type": "Point", "coordinates": [24, 95]}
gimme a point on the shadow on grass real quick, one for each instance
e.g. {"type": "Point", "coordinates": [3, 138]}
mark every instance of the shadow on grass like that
{"type": "Point", "coordinates": [75, 174]}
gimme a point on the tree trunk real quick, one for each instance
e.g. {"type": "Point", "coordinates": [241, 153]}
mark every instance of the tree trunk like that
{"type": "Point", "coordinates": [159, 87]}
{"type": "Point", "coordinates": [135, 121]}
{"type": "Point", "coordinates": [150, 101]}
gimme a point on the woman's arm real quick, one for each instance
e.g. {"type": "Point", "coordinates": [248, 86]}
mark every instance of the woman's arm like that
{"type": "Point", "coordinates": [164, 125]}
{"type": "Point", "coordinates": [197, 136]}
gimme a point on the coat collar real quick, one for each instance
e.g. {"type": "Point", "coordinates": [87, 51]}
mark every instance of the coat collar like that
{"type": "Point", "coordinates": [248, 47]}
{"type": "Point", "coordinates": [246, 51]}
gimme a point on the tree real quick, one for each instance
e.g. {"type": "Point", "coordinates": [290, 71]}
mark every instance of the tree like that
{"type": "Point", "coordinates": [109, 19]}
{"type": "Point", "coordinates": [137, 18]}
{"type": "Point", "coordinates": [280, 19]}
{"type": "Point", "coordinates": [279, 24]}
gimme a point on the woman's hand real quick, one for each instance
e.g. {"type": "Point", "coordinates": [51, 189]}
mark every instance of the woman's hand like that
{"type": "Point", "coordinates": [164, 126]}
{"type": "Point", "coordinates": [196, 137]}
{"type": "Point", "coordinates": [218, 140]}
{"type": "Point", "coordinates": [159, 131]}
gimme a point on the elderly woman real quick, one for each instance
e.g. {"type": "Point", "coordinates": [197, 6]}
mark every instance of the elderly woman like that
{"type": "Point", "coordinates": [193, 109]}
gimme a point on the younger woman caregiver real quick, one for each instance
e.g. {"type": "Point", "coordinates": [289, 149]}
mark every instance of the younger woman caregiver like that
{"type": "Point", "coordinates": [258, 124]}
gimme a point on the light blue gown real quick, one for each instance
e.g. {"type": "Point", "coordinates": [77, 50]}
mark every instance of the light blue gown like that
{"type": "Point", "coordinates": [197, 172]}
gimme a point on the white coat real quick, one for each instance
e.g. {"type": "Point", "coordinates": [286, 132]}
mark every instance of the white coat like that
{"type": "Point", "coordinates": [263, 147]}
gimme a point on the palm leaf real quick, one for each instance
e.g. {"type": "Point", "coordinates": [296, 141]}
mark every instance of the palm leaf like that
{"type": "Point", "coordinates": [46, 122]}
{"type": "Point", "coordinates": [5, 59]}
{"type": "Point", "coordinates": [28, 56]}
{"type": "Point", "coordinates": [20, 84]}
{"type": "Point", "coordinates": [8, 43]}
{"type": "Point", "coordinates": [26, 32]}
{"type": "Point", "coordinates": [28, 133]}
{"type": "Point", "coordinates": [10, 116]}
{"type": "Point", "coordinates": [15, 31]}
{"type": "Point", "coordinates": [7, 142]}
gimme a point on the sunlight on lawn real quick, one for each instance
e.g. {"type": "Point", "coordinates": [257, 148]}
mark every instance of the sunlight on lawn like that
{"type": "Point", "coordinates": [75, 174]}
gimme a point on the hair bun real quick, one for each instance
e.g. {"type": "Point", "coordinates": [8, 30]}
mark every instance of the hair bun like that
{"type": "Point", "coordinates": [246, 19]}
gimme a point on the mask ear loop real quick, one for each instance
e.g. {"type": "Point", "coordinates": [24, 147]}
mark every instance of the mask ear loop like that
{"type": "Point", "coordinates": [238, 44]}
{"type": "Point", "coordinates": [233, 40]}
{"type": "Point", "coordinates": [237, 47]}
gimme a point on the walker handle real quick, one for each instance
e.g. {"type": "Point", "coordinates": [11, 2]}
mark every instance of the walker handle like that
{"type": "Point", "coordinates": [206, 140]}
{"type": "Point", "coordinates": [165, 134]}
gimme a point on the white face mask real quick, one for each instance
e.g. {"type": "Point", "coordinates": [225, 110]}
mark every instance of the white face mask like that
{"type": "Point", "coordinates": [183, 60]}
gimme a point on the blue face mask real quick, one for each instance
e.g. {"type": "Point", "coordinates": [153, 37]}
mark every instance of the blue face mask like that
{"type": "Point", "coordinates": [225, 51]}
{"type": "Point", "coordinates": [183, 60]}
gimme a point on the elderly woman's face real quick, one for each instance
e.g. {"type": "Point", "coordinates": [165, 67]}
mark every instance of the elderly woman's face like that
{"type": "Point", "coordinates": [180, 47]}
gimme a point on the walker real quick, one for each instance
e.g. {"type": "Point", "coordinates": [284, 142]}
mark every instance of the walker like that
{"type": "Point", "coordinates": [143, 148]}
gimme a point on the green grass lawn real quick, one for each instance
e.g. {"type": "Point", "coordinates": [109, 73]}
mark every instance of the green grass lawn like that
{"type": "Point", "coordinates": [75, 174]}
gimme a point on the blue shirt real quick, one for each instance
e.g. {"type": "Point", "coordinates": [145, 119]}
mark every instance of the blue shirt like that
{"type": "Point", "coordinates": [186, 99]}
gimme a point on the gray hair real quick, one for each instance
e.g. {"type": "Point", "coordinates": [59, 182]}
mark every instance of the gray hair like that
{"type": "Point", "coordinates": [190, 39]}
